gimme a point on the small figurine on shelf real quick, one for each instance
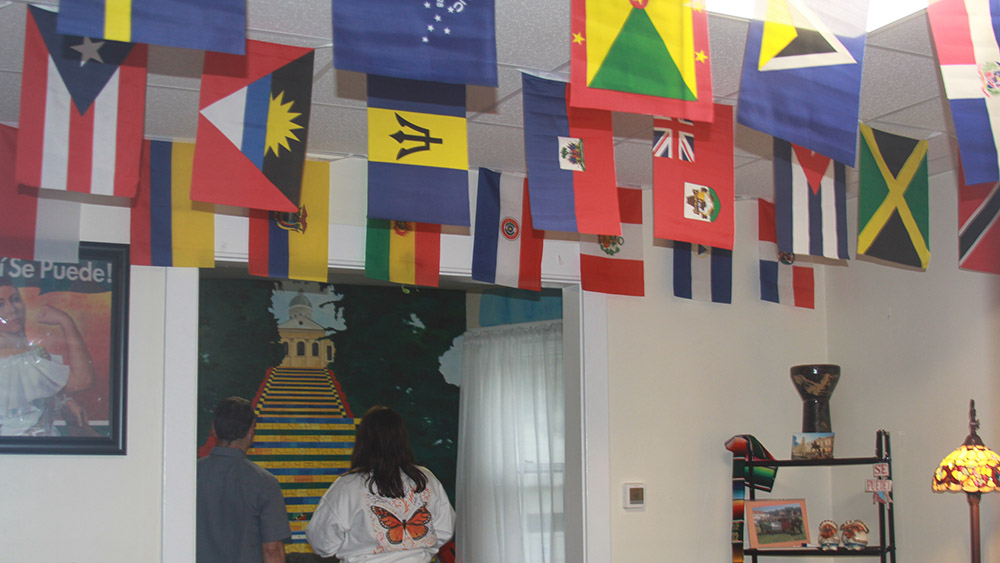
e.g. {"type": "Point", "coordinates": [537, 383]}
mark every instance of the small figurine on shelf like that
{"type": "Point", "coordinates": [829, 537]}
{"type": "Point", "coordinates": [855, 534]}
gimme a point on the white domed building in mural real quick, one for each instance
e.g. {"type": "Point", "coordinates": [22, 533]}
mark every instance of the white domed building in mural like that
{"type": "Point", "coordinates": [303, 338]}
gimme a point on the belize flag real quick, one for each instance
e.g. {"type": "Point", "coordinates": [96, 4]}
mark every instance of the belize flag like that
{"type": "Point", "coordinates": [506, 250]}
{"type": "Point", "coordinates": [570, 156]}
{"type": "Point", "coordinates": [252, 127]}
{"type": "Point", "coordinates": [83, 104]}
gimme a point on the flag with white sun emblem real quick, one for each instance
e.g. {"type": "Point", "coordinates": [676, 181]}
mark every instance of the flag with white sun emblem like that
{"type": "Point", "coordinates": [451, 41]}
{"type": "Point", "coordinates": [252, 127]}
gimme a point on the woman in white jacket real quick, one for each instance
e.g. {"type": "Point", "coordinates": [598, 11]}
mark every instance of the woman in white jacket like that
{"type": "Point", "coordinates": [386, 508]}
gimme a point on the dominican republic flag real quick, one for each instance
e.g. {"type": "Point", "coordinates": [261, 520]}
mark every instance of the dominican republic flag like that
{"type": "Point", "coordinates": [506, 249]}
{"type": "Point", "coordinates": [33, 228]}
{"type": "Point", "coordinates": [703, 273]}
{"type": "Point", "coordinates": [781, 281]}
{"type": "Point", "coordinates": [965, 40]}
{"type": "Point", "coordinates": [253, 124]}
{"type": "Point", "coordinates": [570, 156]}
{"type": "Point", "coordinates": [83, 103]}
{"type": "Point", "coordinates": [613, 263]}
{"type": "Point", "coordinates": [810, 202]}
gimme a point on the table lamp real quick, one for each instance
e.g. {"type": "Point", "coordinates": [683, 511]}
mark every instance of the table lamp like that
{"type": "Point", "coordinates": [972, 469]}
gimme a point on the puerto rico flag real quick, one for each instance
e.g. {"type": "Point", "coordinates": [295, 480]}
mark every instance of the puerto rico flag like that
{"type": "Point", "coordinates": [507, 250]}
{"type": "Point", "coordinates": [83, 103]}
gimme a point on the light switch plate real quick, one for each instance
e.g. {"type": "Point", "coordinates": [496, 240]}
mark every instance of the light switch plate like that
{"type": "Point", "coordinates": [634, 496]}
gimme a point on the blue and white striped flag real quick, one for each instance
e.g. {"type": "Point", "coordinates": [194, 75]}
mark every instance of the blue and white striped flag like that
{"type": "Point", "coordinates": [703, 273]}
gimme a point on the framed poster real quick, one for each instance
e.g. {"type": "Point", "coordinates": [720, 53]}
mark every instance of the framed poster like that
{"type": "Point", "coordinates": [777, 523]}
{"type": "Point", "coordinates": [63, 345]}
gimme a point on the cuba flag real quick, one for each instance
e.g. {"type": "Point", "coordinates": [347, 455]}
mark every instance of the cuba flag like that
{"type": "Point", "coordinates": [252, 127]}
{"type": "Point", "coordinates": [506, 250]}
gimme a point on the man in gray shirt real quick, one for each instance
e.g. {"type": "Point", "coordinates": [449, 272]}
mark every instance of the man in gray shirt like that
{"type": "Point", "coordinates": [241, 512]}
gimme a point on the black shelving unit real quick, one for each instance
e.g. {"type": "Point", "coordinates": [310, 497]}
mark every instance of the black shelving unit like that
{"type": "Point", "coordinates": [885, 551]}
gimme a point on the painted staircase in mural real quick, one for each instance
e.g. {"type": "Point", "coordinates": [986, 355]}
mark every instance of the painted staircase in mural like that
{"type": "Point", "coordinates": [305, 434]}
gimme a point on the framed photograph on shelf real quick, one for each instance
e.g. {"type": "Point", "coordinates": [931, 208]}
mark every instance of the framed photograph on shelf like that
{"type": "Point", "coordinates": [812, 445]}
{"type": "Point", "coordinates": [777, 523]}
{"type": "Point", "coordinates": [63, 347]}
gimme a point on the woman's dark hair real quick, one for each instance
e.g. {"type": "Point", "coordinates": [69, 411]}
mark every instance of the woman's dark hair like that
{"type": "Point", "coordinates": [382, 451]}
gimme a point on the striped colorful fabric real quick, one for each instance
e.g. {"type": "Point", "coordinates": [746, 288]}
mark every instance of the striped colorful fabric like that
{"type": "Point", "coordinates": [745, 447]}
{"type": "Point", "coordinates": [304, 437]}
{"type": "Point", "coordinates": [403, 252]}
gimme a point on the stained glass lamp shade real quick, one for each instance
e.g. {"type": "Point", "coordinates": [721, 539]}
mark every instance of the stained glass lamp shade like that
{"type": "Point", "coordinates": [973, 469]}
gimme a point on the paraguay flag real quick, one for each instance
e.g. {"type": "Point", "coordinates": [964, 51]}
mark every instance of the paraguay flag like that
{"type": "Point", "coordinates": [703, 273]}
{"type": "Point", "coordinates": [507, 250]}
{"type": "Point", "coordinates": [295, 245]}
{"type": "Point", "coordinates": [570, 156]}
{"type": "Point", "coordinates": [252, 127]}
{"type": "Point", "coordinates": [167, 228]}
{"type": "Point", "coordinates": [216, 25]}
{"type": "Point", "coordinates": [810, 202]}
{"type": "Point", "coordinates": [83, 103]}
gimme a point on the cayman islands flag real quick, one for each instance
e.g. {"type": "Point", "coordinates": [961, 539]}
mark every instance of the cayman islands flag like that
{"type": "Point", "coordinates": [295, 245]}
{"type": "Point", "coordinates": [83, 102]}
{"type": "Point", "coordinates": [613, 263]}
{"type": "Point", "coordinates": [781, 279]}
{"type": "Point", "coordinates": [167, 227]}
{"type": "Point", "coordinates": [219, 25]}
{"type": "Point", "coordinates": [418, 156]}
{"type": "Point", "coordinates": [693, 186]}
{"type": "Point", "coordinates": [965, 38]}
{"type": "Point", "coordinates": [453, 41]}
{"type": "Point", "coordinates": [641, 56]}
{"type": "Point", "coordinates": [252, 127]}
{"type": "Point", "coordinates": [893, 205]}
{"type": "Point", "coordinates": [703, 273]}
{"type": "Point", "coordinates": [570, 156]}
{"type": "Point", "coordinates": [979, 227]}
{"type": "Point", "coordinates": [403, 252]}
{"type": "Point", "coordinates": [506, 250]}
{"type": "Point", "coordinates": [801, 77]}
{"type": "Point", "coordinates": [810, 201]}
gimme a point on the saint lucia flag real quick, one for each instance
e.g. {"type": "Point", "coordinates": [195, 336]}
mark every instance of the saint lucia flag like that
{"type": "Point", "coordinates": [703, 273]}
{"type": "Point", "coordinates": [167, 228]}
{"type": "Point", "coordinates": [252, 127]}
{"type": "Point", "coordinates": [218, 25]}
{"type": "Point", "coordinates": [295, 245]}
{"type": "Point", "coordinates": [507, 250]}
{"type": "Point", "coordinates": [641, 57]}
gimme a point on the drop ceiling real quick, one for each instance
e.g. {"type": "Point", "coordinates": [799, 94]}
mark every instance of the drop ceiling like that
{"type": "Point", "coordinates": [901, 91]}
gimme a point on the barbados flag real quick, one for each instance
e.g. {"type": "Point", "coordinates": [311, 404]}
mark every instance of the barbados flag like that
{"type": "Point", "coordinates": [218, 25]}
{"type": "Point", "coordinates": [167, 228]}
{"type": "Point", "coordinates": [295, 245]}
{"type": "Point", "coordinates": [641, 56]}
{"type": "Point", "coordinates": [252, 127]}
{"type": "Point", "coordinates": [403, 252]}
{"type": "Point", "coordinates": [418, 156]}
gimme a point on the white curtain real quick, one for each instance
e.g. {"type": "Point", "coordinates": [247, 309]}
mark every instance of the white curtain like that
{"type": "Point", "coordinates": [511, 454]}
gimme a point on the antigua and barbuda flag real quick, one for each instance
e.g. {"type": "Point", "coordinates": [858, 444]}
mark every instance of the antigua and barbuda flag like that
{"type": "Point", "coordinates": [703, 273]}
{"type": "Point", "coordinates": [570, 156]}
{"type": "Point", "coordinates": [810, 202]}
{"type": "Point", "coordinates": [167, 227]}
{"type": "Point", "coordinates": [613, 263]}
{"type": "Point", "coordinates": [506, 250]}
{"type": "Point", "coordinates": [781, 279]}
{"type": "Point", "coordinates": [83, 103]}
{"type": "Point", "coordinates": [979, 227]}
{"type": "Point", "coordinates": [418, 155]}
{"type": "Point", "coordinates": [801, 76]}
{"type": "Point", "coordinates": [451, 41]}
{"type": "Point", "coordinates": [253, 124]}
{"type": "Point", "coordinates": [693, 185]}
{"type": "Point", "coordinates": [965, 39]}
{"type": "Point", "coordinates": [215, 25]}
{"type": "Point", "coordinates": [641, 56]}
{"type": "Point", "coordinates": [295, 245]}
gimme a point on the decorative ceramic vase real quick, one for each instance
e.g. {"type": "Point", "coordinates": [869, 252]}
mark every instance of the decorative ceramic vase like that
{"type": "Point", "coordinates": [829, 535]}
{"type": "Point", "coordinates": [815, 384]}
{"type": "Point", "coordinates": [854, 533]}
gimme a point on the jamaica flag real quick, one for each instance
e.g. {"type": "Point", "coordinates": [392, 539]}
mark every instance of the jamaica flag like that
{"type": "Point", "coordinates": [893, 207]}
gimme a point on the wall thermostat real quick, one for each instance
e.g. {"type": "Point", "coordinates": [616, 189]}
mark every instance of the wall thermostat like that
{"type": "Point", "coordinates": [634, 496]}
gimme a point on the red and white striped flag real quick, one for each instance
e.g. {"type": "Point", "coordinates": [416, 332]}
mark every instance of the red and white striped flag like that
{"type": "Point", "coordinates": [613, 263]}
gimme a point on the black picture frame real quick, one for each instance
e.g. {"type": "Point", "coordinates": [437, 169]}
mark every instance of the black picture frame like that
{"type": "Point", "coordinates": [93, 293]}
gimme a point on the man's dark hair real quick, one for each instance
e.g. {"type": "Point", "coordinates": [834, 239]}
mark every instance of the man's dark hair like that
{"type": "Point", "coordinates": [6, 281]}
{"type": "Point", "coordinates": [233, 418]}
{"type": "Point", "coordinates": [382, 451]}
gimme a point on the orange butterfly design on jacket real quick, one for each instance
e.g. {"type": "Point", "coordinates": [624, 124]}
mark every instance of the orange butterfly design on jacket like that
{"type": "Point", "coordinates": [416, 526]}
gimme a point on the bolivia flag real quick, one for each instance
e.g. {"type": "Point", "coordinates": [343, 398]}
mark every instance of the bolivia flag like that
{"type": "Point", "coordinates": [403, 252]}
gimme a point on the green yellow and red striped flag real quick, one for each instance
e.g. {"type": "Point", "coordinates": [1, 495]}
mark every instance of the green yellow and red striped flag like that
{"type": "Point", "coordinates": [403, 252]}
